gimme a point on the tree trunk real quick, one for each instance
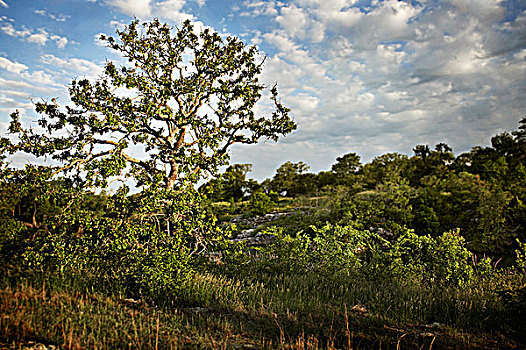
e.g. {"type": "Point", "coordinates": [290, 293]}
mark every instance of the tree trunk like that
{"type": "Point", "coordinates": [172, 177]}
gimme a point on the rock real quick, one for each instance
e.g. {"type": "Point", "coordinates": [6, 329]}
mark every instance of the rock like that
{"type": "Point", "coordinates": [434, 325]}
{"type": "Point", "coordinates": [359, 309]}
{"type": "Point", "coordinates": [198, 309]}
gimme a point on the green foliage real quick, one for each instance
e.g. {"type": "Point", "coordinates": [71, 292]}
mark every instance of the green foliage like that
{"type": "Point", "coordinates": [521, 256]}
{"type": "Point", "coordinates": [259, 203]}
{"type": "Point", "coordinates": [385, 220]}
{"type": "Point", "coordinates": [345, 168]}
{"type": "Point", "coordinates": [135, 241]}
{"type": "Point", "coordinates": [291, 178]}
{"type": "Point", "coordinates": [334, 250]}
{"type": "Point", "coordinates": [441, 260]}
{"type": "Point", "coordinates": [231, 185]}
{"type": "Point", "coordinates": [180, 142]}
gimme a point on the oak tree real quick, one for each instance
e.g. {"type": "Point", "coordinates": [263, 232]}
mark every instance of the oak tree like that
{"type": "Point", "coordinates": [184, 98]}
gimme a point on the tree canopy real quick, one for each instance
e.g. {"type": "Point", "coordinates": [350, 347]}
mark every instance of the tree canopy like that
{"type": "Point", "coordinates": [183, 99]}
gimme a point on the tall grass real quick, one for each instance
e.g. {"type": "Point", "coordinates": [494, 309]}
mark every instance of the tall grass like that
{"type": "Point", "coordinates": [251, 310]}
{"type": "Point", "coordinates": [473, 308]}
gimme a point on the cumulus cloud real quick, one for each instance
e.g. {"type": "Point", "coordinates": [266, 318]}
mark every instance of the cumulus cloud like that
{"type": "Point", "coordinates": [18, 83]}
{"type": "Point", "coordinates": [139, 8]}
{"type": "Point", "coordinates": [297, 23]}
{"type": "Point", "coordinates": [13, 67]}
{"type": "Point", "coordinates": [258, 8]}
{"type": "Point", "coordinates": [172, 10]}
{"type": "Point", "coordinates": [360, 76]}
{"type": "Point", "coordinates": [59, 18]}
{"type": "Point", "coordinates": [75, 66]}
{"type": "Point", "coordinates": [60, 41]}
{"type": "Point", "coordinates": [39, 36]}
{"type": "Point", "coordinates": [146, 9]}
{"type": "Point", "coordinates": [391, 74]}
{"type": "Point", "coordinates": [10, 30]}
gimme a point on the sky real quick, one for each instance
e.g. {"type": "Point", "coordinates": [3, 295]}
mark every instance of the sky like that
{"type": "Point", "coordinates": [363, 76]}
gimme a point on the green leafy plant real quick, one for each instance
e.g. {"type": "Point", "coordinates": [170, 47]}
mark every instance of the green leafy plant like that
{"type": "Point", "coordinates": [443, 260]}
{"type": "Point", "coordinates": [259, 203]}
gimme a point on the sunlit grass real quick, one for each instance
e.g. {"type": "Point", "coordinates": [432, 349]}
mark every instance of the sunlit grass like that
{"type": "Point", "coordinates": [251, 311]}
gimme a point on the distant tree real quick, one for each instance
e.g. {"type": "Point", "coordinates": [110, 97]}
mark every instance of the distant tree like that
{"type": "Point", "coordinates": [373, 173]}
{"type": "Point", "coordinates": [346, 165]}
{"type": "Point", "coordinates": [520, 135]}
{"type": "Point", "coordinates": [422, 151]}
{"type": "Point", "coordinates": [504, 144]}
{"type": "Point", "coordinates": [463, 201]}
{"type": "Point", "coordinates": [430, 162]}
{"type": "Point", "coordinates": [287, 177]}
{"type": "Point", "coordinates": [231, 185]}
{"type": "Point", "coordinates": [325, 179]}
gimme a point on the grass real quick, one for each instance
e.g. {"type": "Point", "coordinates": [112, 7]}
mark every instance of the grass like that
{"type": "Point", "coordinates": [251, 311]}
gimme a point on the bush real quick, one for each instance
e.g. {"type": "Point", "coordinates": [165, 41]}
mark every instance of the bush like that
{"type": "Point", "coordinates": [135, 242]}
{"type": "Point", "coordinates": [259, 203]}
{"type": "Point", "coordinates": [344, 249]}
{"type": "Point", "coordinates": [433, 260]}
{"type": "Point", "coordinates": [332, 249]}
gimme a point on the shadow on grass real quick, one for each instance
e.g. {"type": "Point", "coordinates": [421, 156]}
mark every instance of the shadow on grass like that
{"type": "Point", "coordinates": [70, 314]}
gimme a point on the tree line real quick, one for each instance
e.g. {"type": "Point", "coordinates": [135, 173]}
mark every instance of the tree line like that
{"type": "Point", "coordinates": [481, 192]}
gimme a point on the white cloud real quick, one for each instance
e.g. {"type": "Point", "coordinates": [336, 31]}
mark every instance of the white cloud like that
{"type": "Point", "coordinates": [258, 8]}
{"type": "Point", "coordinates": [395, 74]}
{"type": "Point", "coordinates": [139, 8]}
{"type": "Point", "coordinates": [362, 76]}
{"type": "Point", "coordinates": [10, 30]}
{"type": "Point", "coordinates": [147, 9]}
{"type": "Point", "coordinates": [72, 65]}
{"type": "Point", "coordinates": [58, 18]}
{"type": "Point", "coordinates": [41, 78]}
{"type": "Point", "coordinates": [39, 36]}
{"type": "Point", "coordinates": [297, 23]}
{"type": "Point", "coordinates": [60, 41]}
{"type": "Point", "coordinates": [97, 41]}
{"type": "Point", "coordinates": [16, 94]}
{"type": "Point", "coordinates": [117, 25]}
{"type": "Point", "coordinates": [172, 10]}
{"type": "Point", "coordinates": [14, 84]}
{"type": "Point", "coordinates": [13, 67]}
{"type": "Point", "coordinates": [26, 79]}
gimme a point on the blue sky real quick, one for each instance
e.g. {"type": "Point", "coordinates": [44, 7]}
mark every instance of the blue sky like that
{"type": "Point", "coordinates": [360, 76]}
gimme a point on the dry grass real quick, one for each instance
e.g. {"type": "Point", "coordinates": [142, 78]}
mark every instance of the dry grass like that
{"type": "Point", "coordinates": [216, 313]}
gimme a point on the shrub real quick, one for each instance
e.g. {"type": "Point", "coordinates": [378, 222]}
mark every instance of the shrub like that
{"type": "Point", "coordinates": [332, 249]}
{"type": "Point", "coordinates": [344, 249]}
{"type": "Point", "coordinates": [259, 203]}
{"type": "Point", "coordinates": [434, 260]}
